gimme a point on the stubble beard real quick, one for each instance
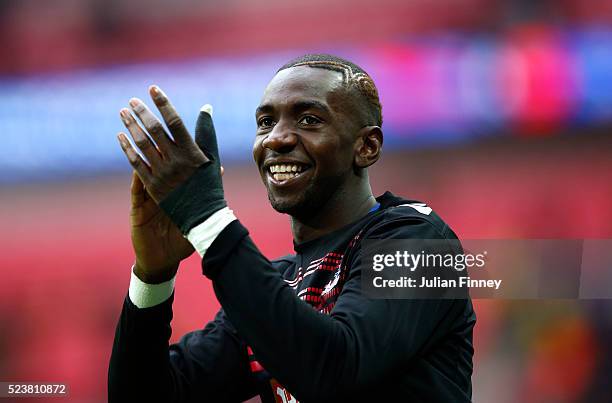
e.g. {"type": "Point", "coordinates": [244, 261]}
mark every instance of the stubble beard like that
{"type": "Point", "coordinates": [311, 201]}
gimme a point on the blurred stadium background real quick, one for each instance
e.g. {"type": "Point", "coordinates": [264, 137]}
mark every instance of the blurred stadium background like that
{"type": "Point", "coordinates": [498, 113]}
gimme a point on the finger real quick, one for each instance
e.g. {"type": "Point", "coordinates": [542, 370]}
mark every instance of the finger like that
{"type": "Point", "coordinates": [137, 190]}
{"type": "Point", "coordinates": [222, 171]}
{"type": "Point", "coordinates": [205, 135]}
{"type": "Point", "coordinates": [142, 141]}
{"type": "Point", "coordinates": [152, 124]}
{"type": "Point", "coordinates": [171, 117]}
{"type": "Point", "coordinates": [139, 165]}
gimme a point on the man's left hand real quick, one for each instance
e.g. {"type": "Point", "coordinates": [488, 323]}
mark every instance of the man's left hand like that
{"type": "Point", "coordinates": [169, 161]}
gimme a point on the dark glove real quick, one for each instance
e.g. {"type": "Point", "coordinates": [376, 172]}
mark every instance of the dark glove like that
{"type": "Point", "coordinates": [201, 195]}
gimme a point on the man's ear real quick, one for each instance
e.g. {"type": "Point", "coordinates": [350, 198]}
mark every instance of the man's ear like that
{"type": "Point", "coordinates": [368, 146]}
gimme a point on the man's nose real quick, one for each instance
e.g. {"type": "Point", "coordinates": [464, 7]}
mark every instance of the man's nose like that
{"type": "Point", "coordinates": [281, 139]}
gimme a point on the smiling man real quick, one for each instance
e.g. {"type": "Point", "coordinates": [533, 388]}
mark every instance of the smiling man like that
{"type": "Point", "coordinates": [297, 328]}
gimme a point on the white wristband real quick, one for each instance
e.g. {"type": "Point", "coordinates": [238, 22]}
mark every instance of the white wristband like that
{"type": "Point", "coordinates": [145, 295]}
{"type": "Point", "coordinates": [203, 235]}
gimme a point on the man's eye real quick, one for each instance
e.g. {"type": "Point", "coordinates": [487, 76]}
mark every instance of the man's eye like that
{"type": "Point", "coordinates": [265, 122]}
{"type": "Point", "coordinates": [309, 120]}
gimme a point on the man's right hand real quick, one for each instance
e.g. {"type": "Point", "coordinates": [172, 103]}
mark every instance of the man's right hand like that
{"type": "Point", "coordinates": [158, 243]}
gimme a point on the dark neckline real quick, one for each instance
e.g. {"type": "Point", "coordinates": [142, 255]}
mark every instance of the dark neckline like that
{"type": "Point", "coordinates": [384, 201]}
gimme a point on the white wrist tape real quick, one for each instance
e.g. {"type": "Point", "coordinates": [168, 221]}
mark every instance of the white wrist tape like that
{"type": "Point", "coordinates": [203, 235]}
{"type": "Point", "coordinates": [145, 295]}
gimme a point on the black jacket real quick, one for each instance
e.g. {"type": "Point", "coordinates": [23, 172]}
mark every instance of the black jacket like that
{"type": "Point", "coordinates": [300, 326]}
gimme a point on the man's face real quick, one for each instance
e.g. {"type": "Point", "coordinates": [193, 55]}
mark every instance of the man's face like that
{"type": "Point", "coordinates": [304, 147]}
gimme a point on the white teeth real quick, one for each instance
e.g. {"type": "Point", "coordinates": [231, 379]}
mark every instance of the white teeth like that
{"type": "Point", "coordinates": [282, 168]}
{"type": "Point", "coordinates": [284, 176]}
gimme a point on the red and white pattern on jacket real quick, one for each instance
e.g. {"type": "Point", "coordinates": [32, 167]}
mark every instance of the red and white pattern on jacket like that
{"type": "Point", "coordinates": [331, 272]}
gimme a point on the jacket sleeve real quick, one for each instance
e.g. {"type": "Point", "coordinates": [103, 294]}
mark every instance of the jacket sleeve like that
{"type": "Point", "coordinates": [205, 365]}
{"type": "Point", "coordinates": [317, 356]}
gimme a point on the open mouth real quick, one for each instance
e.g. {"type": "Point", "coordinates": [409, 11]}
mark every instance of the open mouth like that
{"type": "Point", "coordinates": [282, 173]}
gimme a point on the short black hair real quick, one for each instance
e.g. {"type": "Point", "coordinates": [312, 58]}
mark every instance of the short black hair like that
{"type": "Point", "coordinates": [354, 78]}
